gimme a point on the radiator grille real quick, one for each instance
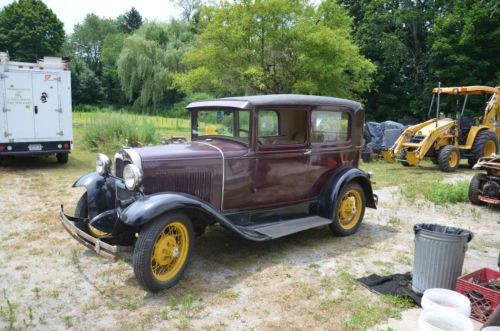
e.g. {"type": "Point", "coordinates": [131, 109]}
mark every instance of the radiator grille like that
{"type": "Point", "coordinates": [189, 181]}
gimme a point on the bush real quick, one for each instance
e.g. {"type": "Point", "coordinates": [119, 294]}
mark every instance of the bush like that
{"type": "Point", "coordinates": [108, 131]}
{"type": "Point", "coordinates": [442, 193]}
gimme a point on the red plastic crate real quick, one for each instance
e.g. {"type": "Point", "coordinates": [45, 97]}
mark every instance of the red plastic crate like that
{"type": "Point", "coordinates": [483, 300]}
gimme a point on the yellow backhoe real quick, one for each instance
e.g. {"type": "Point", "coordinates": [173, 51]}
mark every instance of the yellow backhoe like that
{"type": "Point", "coordinates": [447, 140]}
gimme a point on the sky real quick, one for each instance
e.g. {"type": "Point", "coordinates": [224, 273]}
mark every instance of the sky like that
{"type": "Point", "coordinates": [71, 12]}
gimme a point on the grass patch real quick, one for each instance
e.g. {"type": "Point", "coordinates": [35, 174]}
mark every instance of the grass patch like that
{"type": "Point", "coordinates": [443, 193]}
{"type": "Point", "coordinates": [108, 131]}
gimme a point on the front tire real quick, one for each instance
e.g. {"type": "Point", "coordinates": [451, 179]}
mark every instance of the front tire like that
{"type": "Point", "coordinates": [474, 188]}
{"type": "Point", "coordinates": [449, 158]}
{"type": "Point", "coordinates": [349, 210]}
{"type": "Point", "coordinates": [162, 251]}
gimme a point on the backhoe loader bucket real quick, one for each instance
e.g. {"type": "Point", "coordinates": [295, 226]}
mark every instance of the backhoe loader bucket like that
{"type": "Point", "coordinates": [388, 156]}
{"type": "Point", "coordinates": [412, 159]}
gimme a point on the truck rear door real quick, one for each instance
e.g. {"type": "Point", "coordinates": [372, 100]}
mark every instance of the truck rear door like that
{"type": "Point", "coordinates": [47, 105]}
{"type": "Point", "coordinates": [18, 107]}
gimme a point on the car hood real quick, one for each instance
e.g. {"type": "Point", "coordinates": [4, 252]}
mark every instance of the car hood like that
{"type": "Point", "coordinates": [199, 149]}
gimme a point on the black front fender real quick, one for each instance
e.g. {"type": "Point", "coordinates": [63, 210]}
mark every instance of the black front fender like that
{"type": "Point", "coordinates": [148, 208]}
{"type": "Point", "coordinates": [332, 191]}
{"type": "Point", "coordinates": [101, 194]}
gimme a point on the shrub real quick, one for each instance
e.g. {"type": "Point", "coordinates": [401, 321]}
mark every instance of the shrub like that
{"type": "Point", "coordinates": [442, 193]}
{"type": "Point", "coordinates": [108, 131]}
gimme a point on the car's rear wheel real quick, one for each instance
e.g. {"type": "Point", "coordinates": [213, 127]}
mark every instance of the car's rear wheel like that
{"type": "Point", "coordinates": [349, 210]}
{"type": "Point", "coordinates": [62, 157]}
{"type": "Point", "coordinates": [474, 188]}
{"type": "Point", "coordinates": [162, 251]}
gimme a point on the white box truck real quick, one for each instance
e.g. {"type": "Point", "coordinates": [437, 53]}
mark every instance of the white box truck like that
{"type": "Point", "coordinates": [35, 113]}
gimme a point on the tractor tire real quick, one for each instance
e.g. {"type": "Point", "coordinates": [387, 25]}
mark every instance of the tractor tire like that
{"type": "Point", "coordinates": [485, 144]}
{"type": "Point", "coordinates": [402, 156]}
{"type": "Point", "coordinates": [449, 158]}
{"type": "Point", "coordinates": [474, 187]}
{"type": "Point", "coordinates": [162, 251]}
{"type": "Point", "coordinates": [435, 160]}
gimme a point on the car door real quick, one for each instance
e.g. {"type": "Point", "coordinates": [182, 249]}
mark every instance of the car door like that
{"type": "Point", "coordinates": [331, 144]}
{"type": "Point", "coordinates": [280, 175]}
{"type": "Point", "coordinates": [17, 107]}
{"type": "Point", "coordinates": [47, 106]}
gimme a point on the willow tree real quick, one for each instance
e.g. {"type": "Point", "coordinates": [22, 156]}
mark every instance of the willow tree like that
{"type": "Point", "coordinates": [275, 46]}
{"type": "Point", "coordinates": [148, 60]}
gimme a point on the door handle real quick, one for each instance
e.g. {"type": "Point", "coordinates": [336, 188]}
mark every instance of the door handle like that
{"type": "Point", "coordinates": [36, 109]}
{"type": "Point", "coordinates": [307, 152]}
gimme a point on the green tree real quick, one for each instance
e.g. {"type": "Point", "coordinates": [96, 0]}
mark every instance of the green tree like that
{"type": "Point", "coordinates": [88, 37]}
{"type": "Point", "coordinates": [86, 87]}
{"type": "Point", "coordinates": [29, 30]}
{"type": "Point", "coordinates": [111, 49]}
{"type": "Point", "coordinates": [465, 44]}
{"type": "Point", "coordinates": [275, 46]}
{"type": "Point", "coordinates": [130, 21]}
{"type": "Point", "coordinates": [188, 7]}
{"type": "Point", "coordinates": [148, 60]}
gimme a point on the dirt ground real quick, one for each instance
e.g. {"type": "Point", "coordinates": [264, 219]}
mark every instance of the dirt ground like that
{"type": "Point", "coordinates": [304, 281]}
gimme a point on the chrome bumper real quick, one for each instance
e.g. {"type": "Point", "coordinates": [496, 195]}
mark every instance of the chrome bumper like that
{"type": "Point", "coordinates": [87, 240]}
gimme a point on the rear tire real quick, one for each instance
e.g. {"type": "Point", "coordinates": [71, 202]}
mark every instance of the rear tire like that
{"type": "Point", "coordinates": [162, 251]}
{"type": "Point", "coordinates": [485, 144]}
{"type": "Point", "coordinates": [349, 210]}
{"type": "Point", "coordinates": [62, 157]}
{"type": "Point", "coordinates": [474, 187]}
{"type": "Point", "coordinates": [449, 158]}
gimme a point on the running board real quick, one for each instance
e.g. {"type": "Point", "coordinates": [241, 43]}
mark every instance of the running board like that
{"type": "Point", "coordinates": [284, 228]}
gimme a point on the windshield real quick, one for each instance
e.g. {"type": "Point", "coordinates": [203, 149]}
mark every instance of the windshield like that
{"type": "Point", "coordinates": [221, 123]}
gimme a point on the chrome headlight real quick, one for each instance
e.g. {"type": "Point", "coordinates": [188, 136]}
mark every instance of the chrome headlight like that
{"type": "Point", "coordinates": [132, 176]}
{"type": "Point", "coordinates": [102, 164]}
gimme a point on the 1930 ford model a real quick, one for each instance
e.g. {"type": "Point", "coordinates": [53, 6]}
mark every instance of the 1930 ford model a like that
{"type": "Point", "coordinates": [261, 166]}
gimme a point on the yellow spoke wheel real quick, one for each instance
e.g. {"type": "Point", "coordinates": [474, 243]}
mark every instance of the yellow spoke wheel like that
{"type": "Point", "coordinates": [162, 251]}
{"type": "Point", "coordinates": [349, 211]}
{"type": "Point", "coordinates": [170, 251]}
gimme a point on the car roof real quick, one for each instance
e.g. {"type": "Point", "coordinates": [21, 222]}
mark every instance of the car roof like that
{"type": "Point", "coordinates": [250, 102]}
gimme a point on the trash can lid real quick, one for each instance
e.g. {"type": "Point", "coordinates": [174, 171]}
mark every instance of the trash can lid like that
{"type": "Point", "coordinates": [443, 229]}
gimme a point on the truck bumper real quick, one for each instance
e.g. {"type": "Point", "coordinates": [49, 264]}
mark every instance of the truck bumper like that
{"type": "Point", "coordinates": [35, 148]}
{"type": "Point", "coordinates": [95, 244]}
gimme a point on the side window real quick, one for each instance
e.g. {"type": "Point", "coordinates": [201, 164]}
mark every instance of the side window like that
{"type": "Point", "coordinates": [329, 126]}
{"type": "Point", "coordinates": [268, 123]}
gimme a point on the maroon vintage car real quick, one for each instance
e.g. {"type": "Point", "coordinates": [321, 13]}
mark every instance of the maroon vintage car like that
{"type": "Point", "coordinates": [261, 166]}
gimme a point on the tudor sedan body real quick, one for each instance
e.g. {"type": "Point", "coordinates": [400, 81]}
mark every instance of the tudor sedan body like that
{"type": "Point", "coordinates": [263, 167]}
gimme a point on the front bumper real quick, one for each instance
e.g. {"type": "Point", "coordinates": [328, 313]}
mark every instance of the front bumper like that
{"type": "Point", "coordinates": [95, 244]}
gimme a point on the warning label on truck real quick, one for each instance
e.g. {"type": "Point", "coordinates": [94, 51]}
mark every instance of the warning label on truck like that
{"type": "Point", "coordinates": [18, 96]}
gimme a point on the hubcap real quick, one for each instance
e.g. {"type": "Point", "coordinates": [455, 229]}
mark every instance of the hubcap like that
{"type": "Point", "coordinates": [170, 251]}
{"type": "Point", "coordinates": [489, 148]}
{"type": "Point", "coordinates": [453, 159]}
{"type": "Point", "coordinates": [350, 209]}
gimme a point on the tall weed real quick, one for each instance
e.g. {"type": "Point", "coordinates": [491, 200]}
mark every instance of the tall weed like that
{"type": "Point", "coordinates": [108, 131]}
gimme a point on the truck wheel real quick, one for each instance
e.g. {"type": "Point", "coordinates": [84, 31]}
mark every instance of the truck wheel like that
{"type": "Point", "coordinates": [349, 210]}
{"type": "Point", "coordinates": [162, 251]}
{"type": "Point", "coordinates": [449, 158]}
{"type": "Point", "coordinates": [474, 187]}
{"type": "Point", "coordinates": [62, 157]}
{"type": "Point", "coordinates": [485, 144]}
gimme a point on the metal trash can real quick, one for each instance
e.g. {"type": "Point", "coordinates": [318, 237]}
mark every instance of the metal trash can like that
{"type": "Point", "coordinates": [439, 256]}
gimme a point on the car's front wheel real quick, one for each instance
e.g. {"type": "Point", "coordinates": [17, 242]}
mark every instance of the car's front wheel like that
{"type": "Point", "coordinates": [349, 210]}
{"type": "Point", "coordinates": [162, 251]}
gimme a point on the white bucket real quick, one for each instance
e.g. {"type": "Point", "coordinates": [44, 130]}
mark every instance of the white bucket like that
{"type": "Point", "coordinates": [442, 299]}
{"type": "Point", "coordinates": [444, 320]}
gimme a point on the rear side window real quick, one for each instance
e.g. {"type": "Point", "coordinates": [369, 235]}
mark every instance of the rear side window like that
{"type": "Point", "coordinates": [329, 126]}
